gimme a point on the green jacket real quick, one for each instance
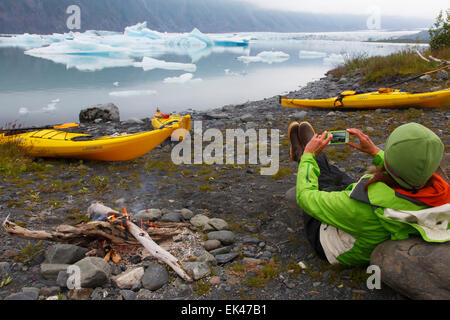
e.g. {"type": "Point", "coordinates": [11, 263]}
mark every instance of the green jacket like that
{"type": "Point", "coordinates": [356, 221]}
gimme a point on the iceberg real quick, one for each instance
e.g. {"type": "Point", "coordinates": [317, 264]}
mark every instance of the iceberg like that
{"type": "Point", "coordinates": [151, 63]}
{"type": "Point", "coordinates": [184, 78]}
{"type": "Point", "coordinates": [305, 54]}
{"type": "Point", "coordinates": [266, 57]}
{"type": "Point", "coordinates": [95, 50]}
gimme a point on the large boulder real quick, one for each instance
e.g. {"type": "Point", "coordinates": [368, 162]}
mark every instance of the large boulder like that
{"type": "Point", "coordinates": [415, 268]}
{"type": "Point", "coordinates": [100, 113]}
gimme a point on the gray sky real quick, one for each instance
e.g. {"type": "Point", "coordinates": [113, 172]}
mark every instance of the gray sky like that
{"type": "Point", "coordinates": [408, 8]}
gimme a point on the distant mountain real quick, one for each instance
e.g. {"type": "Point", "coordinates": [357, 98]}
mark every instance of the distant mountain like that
{"type": "Point", "coordinates": [49, 16]}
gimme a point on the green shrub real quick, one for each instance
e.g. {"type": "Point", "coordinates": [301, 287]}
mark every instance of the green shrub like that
{"type": "Point", "coordinates": [440, 32]}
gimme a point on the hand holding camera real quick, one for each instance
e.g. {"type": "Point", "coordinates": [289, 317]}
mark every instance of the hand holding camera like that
{"type": "Point", "coordinates": [365, 145]}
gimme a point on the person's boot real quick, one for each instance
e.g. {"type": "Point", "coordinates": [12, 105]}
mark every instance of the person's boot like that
{"type": "Point", "coordinates": [305, 134]}
{"type": "Point", "coordinates": [295, 147]}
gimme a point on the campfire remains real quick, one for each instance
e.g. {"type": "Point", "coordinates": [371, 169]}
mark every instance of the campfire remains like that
{"type": "Point", "coordinates": [118, 229]}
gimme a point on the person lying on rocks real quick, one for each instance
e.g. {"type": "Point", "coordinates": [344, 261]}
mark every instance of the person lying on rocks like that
{"type": "Point", "coordinates": [404, 196]}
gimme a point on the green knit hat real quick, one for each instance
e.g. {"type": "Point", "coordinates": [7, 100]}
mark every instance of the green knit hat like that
{"type": "Point", "coordinates": [413, 153]}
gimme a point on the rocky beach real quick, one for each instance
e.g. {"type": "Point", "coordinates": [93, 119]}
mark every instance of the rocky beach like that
{"type": "Point", "coordinates": [245, 240]}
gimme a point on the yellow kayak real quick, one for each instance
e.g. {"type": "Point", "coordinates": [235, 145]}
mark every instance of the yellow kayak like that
{"type": "Point", "coordinates": [161, 120]}
{"type": "Point", "coordinates": [384, 98]}
{"type": "Point", "coordinates": [59, 144]}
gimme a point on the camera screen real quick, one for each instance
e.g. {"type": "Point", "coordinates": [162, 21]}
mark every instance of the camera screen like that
{"type": "Point", "coordinates": [338, 137]}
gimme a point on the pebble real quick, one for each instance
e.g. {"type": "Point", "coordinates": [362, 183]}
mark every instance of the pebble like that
{"type": "Point", "coordinates": [218, 224]}
{"type": "Point", "coordinates": [211, 244]}
{"type": "Point", "coordinates": [227, 257]}
{"type": "Point", "coordinates": [148, 214]}
{"type": "Point", "coordinates": [201, 221]}
{"type": "Point", "coordinates": [130, 278]}
{"type": "Point", "coordinates": [221, 250]}
{"type": "Point", "coordinates": [187, 214]}
{"type": "Point", "coordinates": [51, 271]}
{"type": "Point", "coordinates": [22, 296]}
{"type": "Point", "coordinates": [128, 294]}
{"type": "Point", "coordinates": [197, 270]}
{"type": "Point", "coordinates": [144, 294]}
{"type": "Point", "coordinates": [80, 294]}
{"type": "Point", "coordinates": [224, 236]}
{"type": "Point", "coordinates": [155, 276]}
{"type": "Point", "coordinates": [172, 217]}
{"type": "Point", "coordinates": [215, 280]}
{"type": "Point", "coordinates": [64, 254]}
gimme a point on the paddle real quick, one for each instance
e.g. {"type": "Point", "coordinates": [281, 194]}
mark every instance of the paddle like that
{"type": "Point", "coordinates": [59, 126]}
{"type": "Point", "coordinates": [421, 75]}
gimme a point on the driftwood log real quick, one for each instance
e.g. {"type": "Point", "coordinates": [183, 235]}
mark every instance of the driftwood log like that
{"type": "Point", "coordinates": [118, 231]}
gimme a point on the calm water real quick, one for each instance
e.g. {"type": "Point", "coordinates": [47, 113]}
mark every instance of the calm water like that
{"type": "Point", "coordinates": [35, 91]}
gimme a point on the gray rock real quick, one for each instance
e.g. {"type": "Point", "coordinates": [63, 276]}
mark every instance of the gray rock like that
{"type": "Point", "coordinates": [216, 115]}
{"type": "Point", "coordinates": [104, 112]}
{"type": "Point", "coordinates": [148, 214]}
{"type": "Point", "coordinates": [130, 278]}
{"type": "Point", "coordinates": [144, 294]}
{"type": "Point", "coordinates": [300, 115]}
{"type": "Point", "coordinates": [415, 268]}
{"type": "Point", "coordinates": [62, 278]}
{"type": "Point", "coordinates": [225, 236]}
{"type": "Point", "coordinates": [227, 257]}
{"type": "Point", "coordinates": [80, 294]}
{"type": "Point", "coordinates": [186, 213]}
{"type": "Point", "coordinates": [64, 254]}
{"type": "Point", "coordinates": [4, 267]}
{"type": "Point", "coordinates": [211, 244]}
{"type": "Point", "coordinates": [155, 277]}
{"type": "Point", "coordinates": [133, 121]}
{"type": "Point", "coordinates": [51, 271]}
{"type": "Point", "coordinates": [269, 117]}
{"type": "Point", "coordinates": [172, 217]}
{"type": "Point", "coordinates": [99, 294]}
{"type": "Point", "coordinates": [95, 272]}
{"type": "Point", "coordinates": [33, 292]}
{"type": "Point", "coordinates": [247, 117]}
{"type": "Point", "coordinates": [221, 250]}
{"type": "Point", "coordinates": [197, 270]}
{"type": "Point", "coordinates": [251, 240]}
{"type": "Point", "coordinates": [49, 291]}
{"type": "Point", "coordinates": [218, 224]}
{"type": "Point", "coordinates": [426, 78]}
{"type": "Point", "coordinates": [128, 294]}
{"type": "Point", "coordinates": [207, 257]}
{"type": "Point", "coordinates": [201, 221]}
{"type": "Point", "coordinates": [22, 296]}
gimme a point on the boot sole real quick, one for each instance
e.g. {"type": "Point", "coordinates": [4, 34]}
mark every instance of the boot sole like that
{"type": "Point", "coordinates": [295, 123]}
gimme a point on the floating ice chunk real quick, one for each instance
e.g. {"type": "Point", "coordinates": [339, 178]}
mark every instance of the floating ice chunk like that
{"type": "Point", "coordinates": [184, 78]}
{"type": "Point", "coordinates": [151, 63]}
{"type": "Point", "coordinates": [333, 60]}
{"type": "Point", "coordinates": [266, 57]}
{"type": "Point", "coordinates": [116, 84]}
{"type": "Point", "coordinates": [56, 100]}
{"type": "Point", "coordinates": [141, 30]}
{"type": "Point", "coordinates": [132, 93]}
{"type": "Point", "coordinates": [304, 54]}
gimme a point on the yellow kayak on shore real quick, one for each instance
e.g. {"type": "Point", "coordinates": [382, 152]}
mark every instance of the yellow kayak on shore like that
{"type": "Point", "coordinates": [59, 144]}
{"type": "Point", "coordinates": [384, 98]}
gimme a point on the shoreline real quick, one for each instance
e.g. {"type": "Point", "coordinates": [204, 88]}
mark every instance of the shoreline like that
{"type": "Point", "coordinates": [59, 191]}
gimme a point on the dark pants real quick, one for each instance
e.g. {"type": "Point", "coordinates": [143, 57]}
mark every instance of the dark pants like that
{"type": "Point", "coordinates": [331, 179]}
